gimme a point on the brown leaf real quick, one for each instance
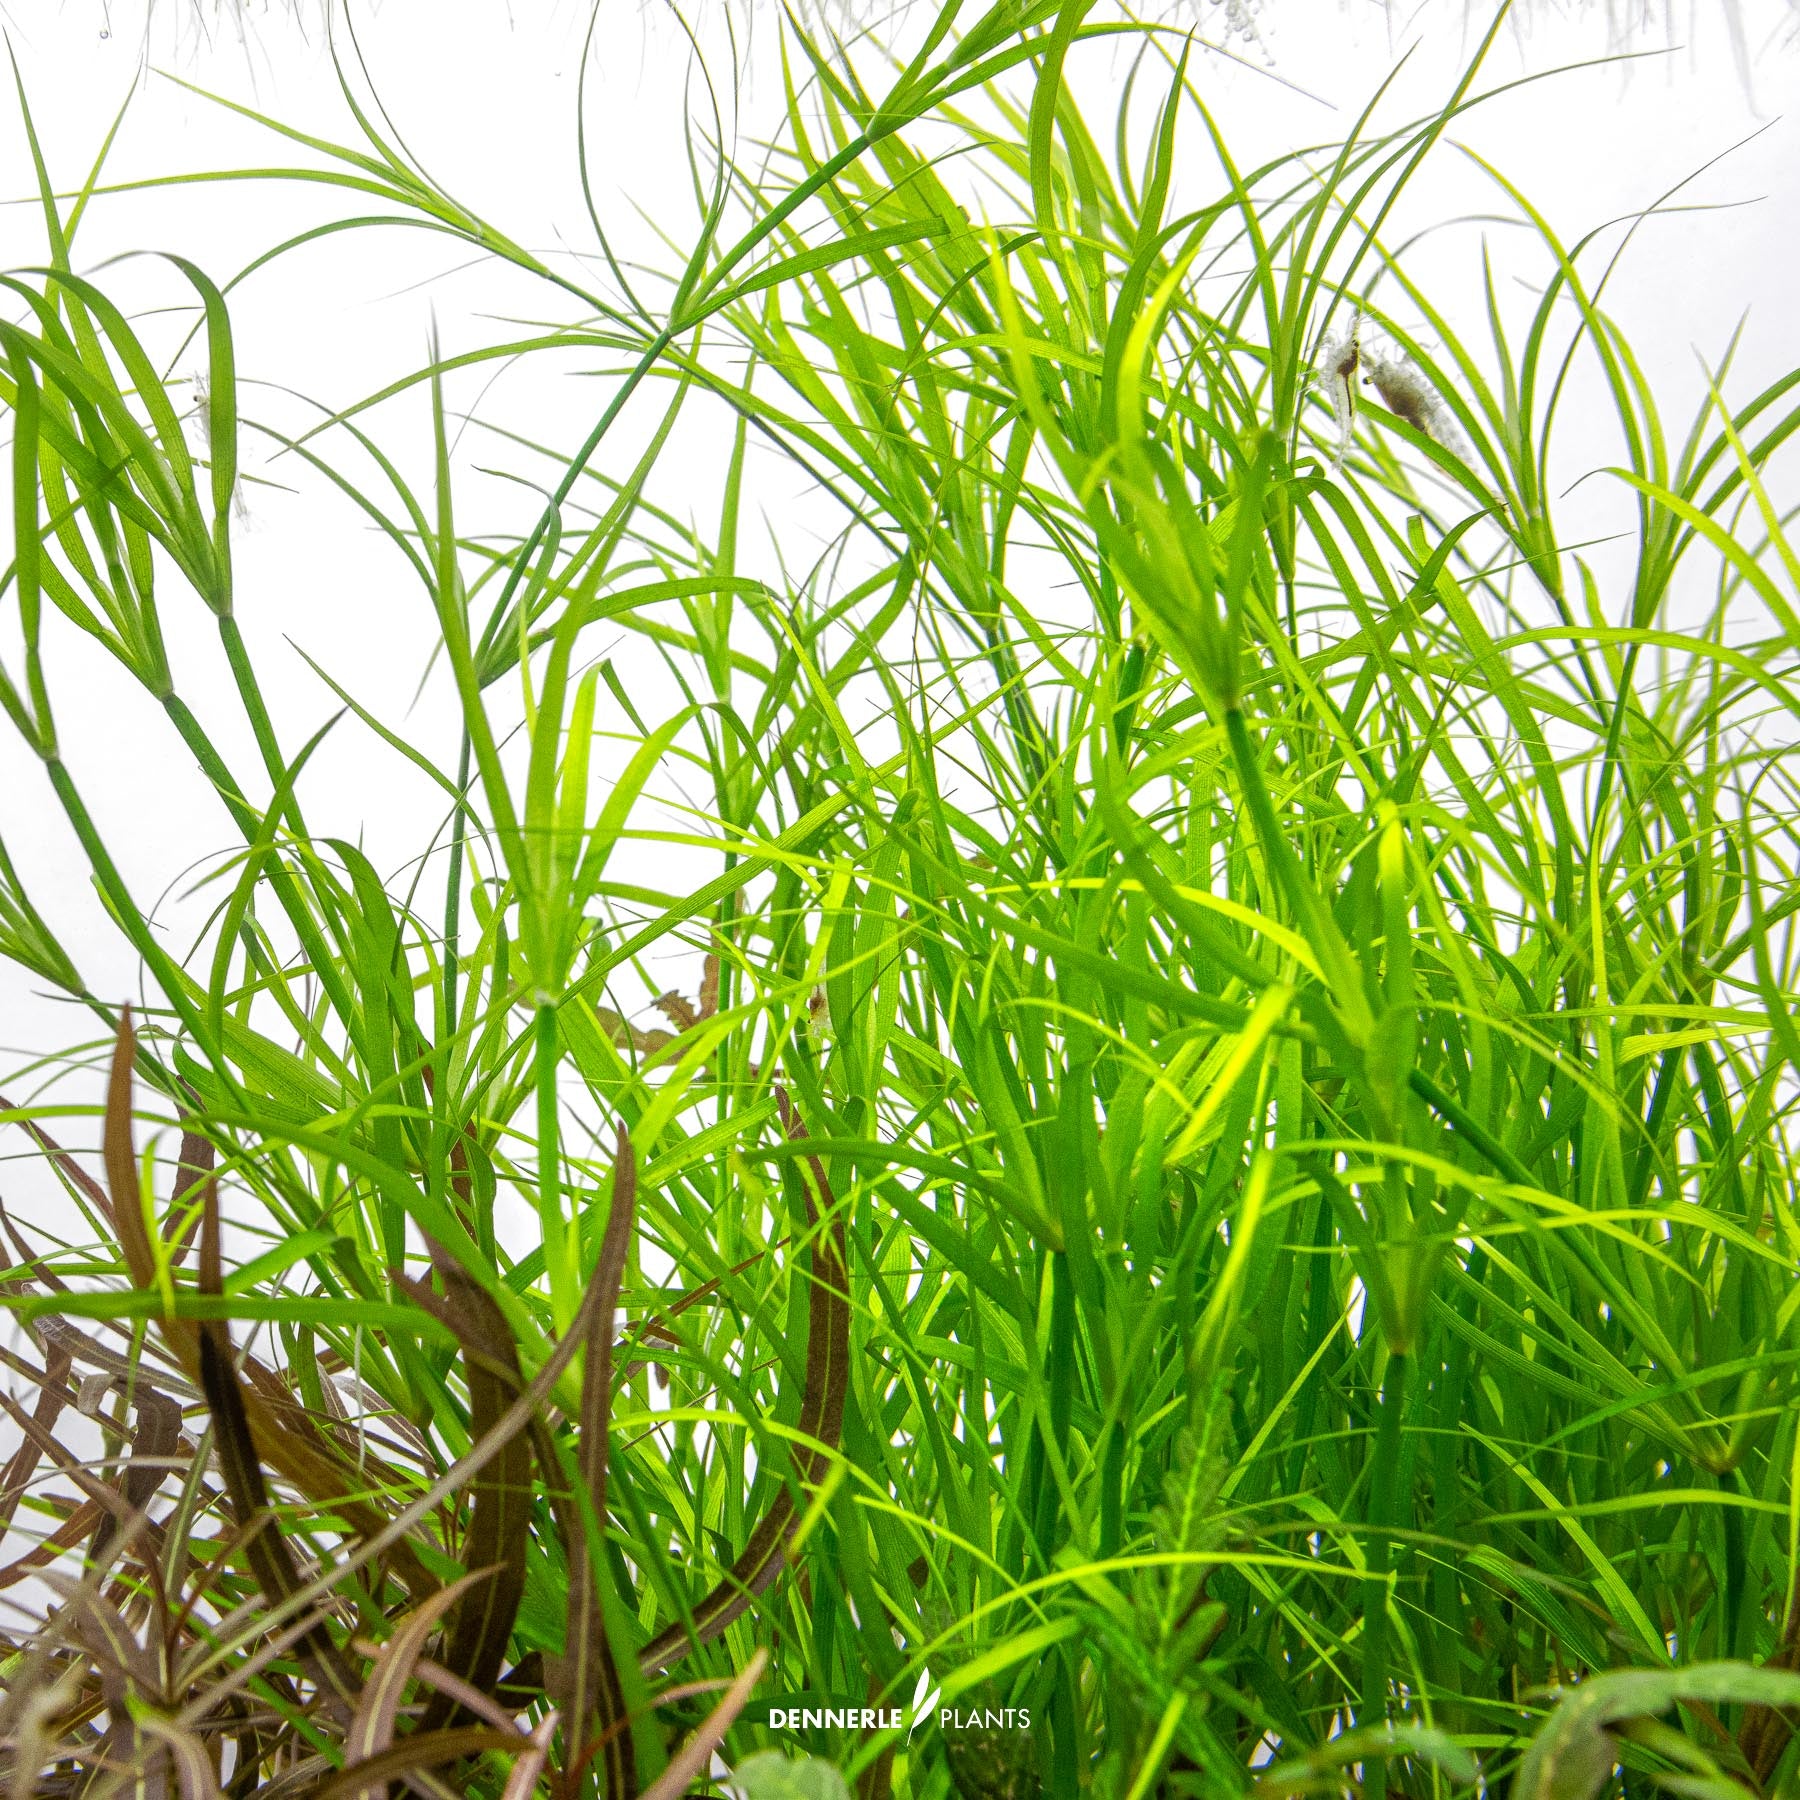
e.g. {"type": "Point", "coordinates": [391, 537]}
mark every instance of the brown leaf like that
{"type": "Point", "coordinates": [296, 1782]}
{"type": "Point", "coordinates": [696, 1753]}
{"type": "Point", "coordinates": [126, 1667]}
{"type": "Point", "coordinates": [1766, 1731]}
{"type": "Point", "coordinates": [52, 1398]}
{"type": "Point", "coordinates": [70, 1169]}
{"type": "Point", "coordinates": [521, 1685]}
{"type": "Point", "coordinates": [530, 1766]}
{"type": "Point", "coordinates": [479, 1454]}
{"type": "Point", "coordinates": [279, 1431]}
{"type": "Point", "coordinates": [625, 1034]}
{"type": "Point", "coordinates": [677, 1009]}
{"type": "Point", "coordinates": [193, 1165]}
{"type": "Point", "coordinates": [378, 1711]}
{"type": "Point", "coordinates": [265, 1549]}
{"type": "Point", "coordinates": [194, 1772]}
{"type": "Point", "coordinates": [481, 1706]}
{"type": "Point", "coordinates": [105, 1497]}
{"type": "Point", "coordinates": [39, 1694]}
{"type": "Point", "coordinates": [52, 1330]}
{"type": "Point", "coordinates": [120, 1157]}
{"type": "Point", "coordinates": [155, 1441]}
{"type": "Point", "coordinates": [821, 1420]}
{"type": "Point", "coordinates": [499, 1496]}
{"type": "Point", "coordinates": [592, 1689]}
{"type": "Point", "coordinates": [419, 1750]}
{"type": "Point", "coordinates": [65, 1537]}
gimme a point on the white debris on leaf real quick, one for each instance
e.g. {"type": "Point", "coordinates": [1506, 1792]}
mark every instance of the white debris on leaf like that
{"type": "Point", "coordinates": [1343, 364]}
{"type": "Point", "coordinates": [1406, 393]}
{"type": "Point", "coordinates": [1335, 371]}
{"type": "Point", "coordinates": [201, 414]}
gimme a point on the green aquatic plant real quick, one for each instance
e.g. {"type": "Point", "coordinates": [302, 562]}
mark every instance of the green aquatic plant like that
{"type": "Point", "coordinates": [1221, 1174]}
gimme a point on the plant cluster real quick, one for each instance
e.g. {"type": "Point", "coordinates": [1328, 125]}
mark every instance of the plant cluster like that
{"type": "Point", "coordinates": [1225, 1178]}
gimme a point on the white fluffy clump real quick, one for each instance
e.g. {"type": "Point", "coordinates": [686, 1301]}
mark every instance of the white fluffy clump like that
{"type": "Point", "coordinates": [1343, 366]}
{"type": "Point", "coordinates": [1335, 372]}
{"type": "Point", "coordinates": [1405, 392]}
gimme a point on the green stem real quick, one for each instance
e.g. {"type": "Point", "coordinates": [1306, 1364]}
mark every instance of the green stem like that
{"type": "Point", "coordinates": [1384, 1496]}
{"type": "Point", "coordinates": [250, 692]}
{"type": "Point", "coordinates": [559, 1259]}
{"type": "Point", "coordinates": [212, 765]}
{"type": "Point", "coordinates": [453, 888]}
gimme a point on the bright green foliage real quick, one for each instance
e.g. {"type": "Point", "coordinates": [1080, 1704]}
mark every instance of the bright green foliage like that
{"type": "Point", "coordinates": [1247, 983]}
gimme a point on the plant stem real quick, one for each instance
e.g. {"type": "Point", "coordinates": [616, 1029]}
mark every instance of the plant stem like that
{"type": "Point", "coordinates": [453, 888]}
{"type": "Point", "coordinates": [1383, 1498]}
{"type": "Point", "coordinates": [559, 1259]}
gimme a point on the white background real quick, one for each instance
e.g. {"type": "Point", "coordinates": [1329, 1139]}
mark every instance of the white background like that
{"type": "Point", "coordinates": [484, 95]}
